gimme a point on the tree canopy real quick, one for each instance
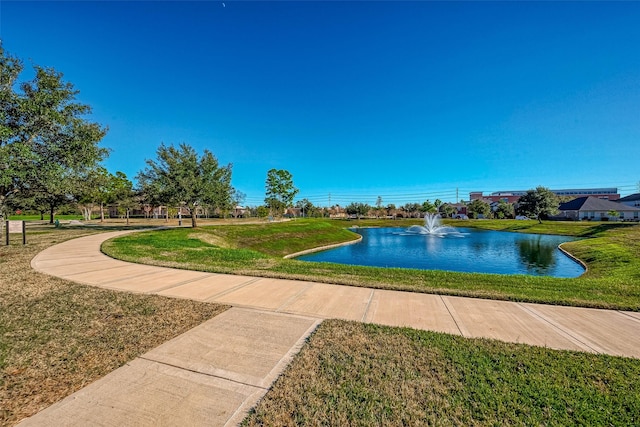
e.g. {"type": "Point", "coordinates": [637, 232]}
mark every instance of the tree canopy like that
{"type": "Point", "coordinates": [358, 209]}
{"type": "Point", "coordinates": [538, 203]}
{"type": "Point", "coordinates": [46, 142]}
{"type": "Point", "coordinates": [280, 191]}
{"type": "Point", "coordinates": [478, 208]}
{"type": "Point", "coordinates": [180, 177]}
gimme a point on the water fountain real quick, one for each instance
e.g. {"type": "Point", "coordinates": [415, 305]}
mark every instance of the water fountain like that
{"type": "Point", "coordinates": [433, 226]}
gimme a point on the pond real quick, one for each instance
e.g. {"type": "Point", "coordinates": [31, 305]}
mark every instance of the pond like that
{"type": "Point", "coordinates": [470, 250]}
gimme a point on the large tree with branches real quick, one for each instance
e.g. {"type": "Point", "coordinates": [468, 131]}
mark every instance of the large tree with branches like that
{"type": "Point", "coordinates": [46, 141]}
{"type": "Point", "coordinates": [180, 177]}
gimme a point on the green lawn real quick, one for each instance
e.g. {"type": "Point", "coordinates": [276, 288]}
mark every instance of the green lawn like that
{"type": "Point", "coordinates": [612, 253]}
{"type": "Point", "coordinates": [358, 374]}
{"type": "Point", "coordinates": [56, 336]}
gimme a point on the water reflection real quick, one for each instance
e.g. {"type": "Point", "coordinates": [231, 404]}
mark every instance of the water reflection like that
{"type": "Point", "coordinates": [537, 255]}
{"type": "Point", "coordinates": [479, 251]}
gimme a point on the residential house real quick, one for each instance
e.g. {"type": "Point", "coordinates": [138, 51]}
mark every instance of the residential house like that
{"type": "Point", "coordinates": [595, 209]}
{"type": "Point", "coordinates": [513, 196]}
{"type": "Point", "coordinates": [632, 200]}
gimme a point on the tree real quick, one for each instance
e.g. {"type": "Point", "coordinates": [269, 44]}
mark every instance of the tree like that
{"type": "Point", "coordinates": [504, 210]}
{"type": "Point", "coordinates": [122, 193]}
{"type": "Point", "coordinates": [11, 172]}
{"type": "Point", "coordinates": [478, 208]}
{"type": "Point", "coordinates": [358, 209]}
{"type": "Point", "coordinates": [447, 209]}
{"type": "Point", "coordinates": [412, 209]}
{"type": "Point", "coordinates": [262, 211]}
{"type": "Point", "coordinates": [46, 142]}
{"type": "Point", "coordinates": [428, 207]}
{"type": "Point", "coordinates": [280, 191]}
{"type": "Point", "coordinates": [538, 203]}
{"type": "Point", "coordinates": [237, 198]}
{"type": "Point", "coordinates": [308, 209]}
{"type": "Point", "coordinates": [613, 214]}
{"type": "Point", "coordinates": [179, 177]}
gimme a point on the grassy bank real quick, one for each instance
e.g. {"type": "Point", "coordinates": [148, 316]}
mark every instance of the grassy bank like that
{"type": "Point", "coordinates": [612, 253]}
{"type": "Point", "coordinates": [361, 375]}
{"type": "Point", "coordinates": [57, 336]}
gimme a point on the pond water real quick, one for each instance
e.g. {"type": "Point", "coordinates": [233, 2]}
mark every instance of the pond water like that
{"type": "Point", "coordinates": [472, 250]}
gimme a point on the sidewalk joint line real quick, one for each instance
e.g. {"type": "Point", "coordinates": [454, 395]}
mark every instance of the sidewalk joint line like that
{"type": "Point", "coordinates": [134, 276]}
{"type": "Point", "coordinates": [366, 308]}
{"type": "Point", "coordinates": [293, 298]}
{"type": "Point", "coordinates": [182, 368]}
{"type": "Point", "coordinates": [580, 339]}
{"type": "Point", "coordinates": [184, 282]}
{"type": "Point", "coordinates": [628, 315]}
{"type": "Point", "coordinates": [212, 298]}
{"type": "Point", "coordinates": [125, 264]}
{"type": "Point", "coordinates": [446, 305]}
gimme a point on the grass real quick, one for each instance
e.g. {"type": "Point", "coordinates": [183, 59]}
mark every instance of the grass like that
{"type": "Point", "coordinates": [360, 375]}
{"type": "Point", "coordinates": [612, 253]}
{"type": "Point", "coordinates": [57, 336]}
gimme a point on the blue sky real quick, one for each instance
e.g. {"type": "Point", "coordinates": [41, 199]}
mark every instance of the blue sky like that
{"type": "Point", "coordinates": [404, 100]}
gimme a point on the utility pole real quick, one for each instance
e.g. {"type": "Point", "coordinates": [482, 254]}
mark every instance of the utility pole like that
{"type": "Point", "coordinates": [457, 195]}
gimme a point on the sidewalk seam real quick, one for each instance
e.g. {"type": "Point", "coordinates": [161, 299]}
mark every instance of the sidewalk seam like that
{"type": "Point", "coordinates": [454, 316]}
{"type": "Point", "coordinates": [366, 309]}
{"type": "Point", "coordinates": [628, 315]}
{"type": "Point", "coordinates": [184, 282]}
{"type": "Point", "coordinates": [292, 298]}
{"type": "Point", "coordinates": [577, 338]}
{"type": "Point", "coordinates": [213, 298]}
{"type": "Point", "coordinates": [202, 373]}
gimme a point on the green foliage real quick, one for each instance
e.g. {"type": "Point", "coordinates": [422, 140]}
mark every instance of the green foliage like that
{"type": "Point", "coordinates": [478, 208]}
{"type": "Point", "coordinates": [180, 177]}
{"type": "Point", "coordinates": [46, 142]}
{"type": "Point", "coordinates": [358, 209]}
{"type": "Point", "coordinates": [538, 203]}
{"type": "Point", "coordinates": [504, 210]}
{"type": "Point", "coordinates": [262, 211]}
{"type": "Point", "coordinates": [98, 186]}
{"type": "Point", "coordinates": [428, 207]}
{"type": "Point", "coordinates": [280, 191]}
{"type": "Point", "coordinates": [447, 210]}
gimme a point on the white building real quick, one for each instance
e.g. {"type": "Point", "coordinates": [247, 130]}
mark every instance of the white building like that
{"type": "Point", "coordinates": [594, 209]}
{"type": "Point", "coordinates": [632, 200]}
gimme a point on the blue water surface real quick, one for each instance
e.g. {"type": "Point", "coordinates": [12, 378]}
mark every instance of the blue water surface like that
{"type": "Point", "coordinates": [478, 251]}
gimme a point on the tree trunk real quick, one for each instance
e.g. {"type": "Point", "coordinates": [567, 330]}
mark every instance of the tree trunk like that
{"type": "Point", "coordinates": [193, 218]}
{"type": "Point", "coordinates": [101, 212]}
{"type": "Point", "coordinates": [127, 216]}
{"type": "Point", "coordinates": [51, 214]}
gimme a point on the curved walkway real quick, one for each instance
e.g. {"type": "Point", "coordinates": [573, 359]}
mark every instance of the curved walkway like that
{"type": "Point", "coordinates": [236, 356]}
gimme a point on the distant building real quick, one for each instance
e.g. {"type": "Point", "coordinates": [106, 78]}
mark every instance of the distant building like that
{"type": "Point", "coordinates": [593, 208]}
{"type": "Point", "coordinates": [513, 196]}
{"type": "Point", "coordinates": [632, 200]}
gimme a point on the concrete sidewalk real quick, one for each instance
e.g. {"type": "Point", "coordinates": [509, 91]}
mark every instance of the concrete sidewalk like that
{"type": "Point", "coordinates": [294, 309]}
{"type": "Point", "coordinates": [209, 376]}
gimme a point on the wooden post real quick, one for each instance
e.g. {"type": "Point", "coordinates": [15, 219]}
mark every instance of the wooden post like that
{"type": "Point", "coordinates": [17, 227]}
